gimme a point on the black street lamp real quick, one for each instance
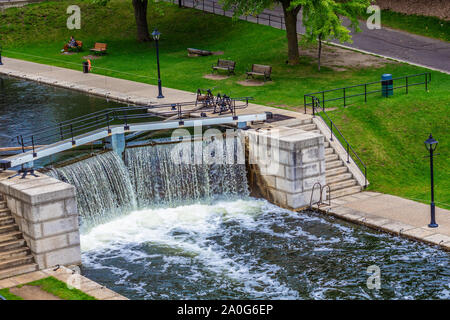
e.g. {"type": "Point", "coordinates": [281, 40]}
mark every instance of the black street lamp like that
{"type": "Point", "coordinates": [156, 34]}
{"type": "Point", "coordinates": [431, 146]}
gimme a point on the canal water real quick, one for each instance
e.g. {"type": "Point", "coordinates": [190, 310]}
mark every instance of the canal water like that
{"type": "Point", "coordinates": [207, 239]}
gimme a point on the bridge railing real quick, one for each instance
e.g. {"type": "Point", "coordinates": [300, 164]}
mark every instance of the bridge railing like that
{"type": "Point", "coordinates": [114, 116]}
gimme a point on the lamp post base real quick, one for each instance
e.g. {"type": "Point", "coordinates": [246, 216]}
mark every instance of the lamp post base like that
{"type": "Point", "coordinates": [160, 96]}
{"type": "Point", "coordinates": [433, 225]}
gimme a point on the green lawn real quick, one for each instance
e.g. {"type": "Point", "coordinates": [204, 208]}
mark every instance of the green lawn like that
{"type": "Point", "coordinates": [432, 27]}
{"type": "Point", "coordinates": [387, 134]}
{"type": "Point", "coordinates": [52, 286]}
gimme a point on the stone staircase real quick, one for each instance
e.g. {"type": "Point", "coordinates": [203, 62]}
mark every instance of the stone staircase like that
{"type": "Point", "coordinates": [338, 175]}
{"type": "Point", "coordinates": [15, 256]}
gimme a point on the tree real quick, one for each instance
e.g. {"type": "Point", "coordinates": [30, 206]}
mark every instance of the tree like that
{"type": "Point", "coordinates": [291, 8]}
{"type": "Point", "coordinates": [321, 17]}
{"type": "Point", "coordinates": [140, 15]}
{"type": "Point", "coordinates": [322, 20]}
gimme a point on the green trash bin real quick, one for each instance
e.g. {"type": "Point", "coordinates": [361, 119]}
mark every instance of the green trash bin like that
{"type": "Point", "coordinates": [387, 85]}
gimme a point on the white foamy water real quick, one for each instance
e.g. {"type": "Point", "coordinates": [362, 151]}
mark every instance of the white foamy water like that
{"type": "Point", "coordinates": [250, 248]}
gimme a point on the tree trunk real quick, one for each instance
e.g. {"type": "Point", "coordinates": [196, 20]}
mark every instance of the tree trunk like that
{"type": "Point", "coordinates": [140, 14]}
{"type": "Point", "coordinates": [320, 49]}
{"type": "Point", "coordinates": [290, 19]}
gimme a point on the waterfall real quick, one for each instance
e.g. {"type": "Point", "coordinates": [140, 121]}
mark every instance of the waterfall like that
{"type": "Point", "coordinates": [103, 186]}
{"type": "Point", "coordinates": [167, 175]}
{"type": "Point", "coordinates": [172, 174]}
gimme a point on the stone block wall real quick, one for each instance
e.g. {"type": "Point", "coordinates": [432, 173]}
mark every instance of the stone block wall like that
{"type": "Point", "coordinates": [46, 212]}
{"type": "Point", "coordinates": [284, 164]}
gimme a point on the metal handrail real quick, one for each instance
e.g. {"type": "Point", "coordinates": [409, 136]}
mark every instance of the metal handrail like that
{"type": "Point", "coordinates": [321, 94]}
{"type": "Point", "coordinates": [316, 103]}
{"type": "Point", "coordinates": [97, 120]}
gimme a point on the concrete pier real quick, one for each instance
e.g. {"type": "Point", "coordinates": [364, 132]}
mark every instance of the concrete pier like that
{"type": "Point", "coordinates": [285, 164]}
{"type": "Point", "coordinates": [45, 210]}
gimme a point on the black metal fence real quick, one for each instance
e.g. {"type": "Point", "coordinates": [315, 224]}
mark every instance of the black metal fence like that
{"type": "Point", "coordinates": [366, 89]}
{"type": "Point", "coordinates": [210, 6]}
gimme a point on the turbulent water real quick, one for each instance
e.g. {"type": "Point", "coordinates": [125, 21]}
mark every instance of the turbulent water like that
{"type": "Point", "coordinates": [249, 248]}
{"type": "Point", "coordinates": [179, 231]}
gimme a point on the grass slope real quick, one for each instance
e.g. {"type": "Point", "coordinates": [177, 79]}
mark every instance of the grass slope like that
{"type": "Point", "coordinates": [388, 134]}
{"type": "Point", "coordinates": [8, 295]}
{"type": "Point", "coordinates": [422, 25]}
{"type": "Point", "coordinates": [60, 289]}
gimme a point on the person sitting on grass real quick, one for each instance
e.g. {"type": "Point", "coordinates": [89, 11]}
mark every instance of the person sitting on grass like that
{"type": "Point", "coordinates": [71, 45]}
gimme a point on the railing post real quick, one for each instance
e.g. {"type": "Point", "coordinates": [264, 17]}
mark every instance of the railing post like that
{"type": "Point", "coordinates": [407, 85]}
{"type": "Point", "coordinates": [304, 102]}
{"type": "Point", "coordinates": [365, 177]}
{"type": "Point", "coordinates": [365, 92]}
{"type": "Point", "coordinates": [313, 107]}
{"type": "Point", "coordinates": [107, 122]}
{"type": "Point", "coordinates": [426, 82]}
{"type": "Point", "coordinates": [269, 20]}
{"type": "Point", "coordinates": [323, 100]}
{"type": "Point", "coordinates": [331, 127]}
{"type": "Point", "coordinates": [257, 19]}
{"type": "Point", "coordinates": [21, 142]}
{"type": "Point", "coordinates": [71, 133]}
{"type": "Point", "coordinates": [32, 145]}
{"type": "Point", "coordinates": [344, 97]}
{"type": "Point", "coordinates": [348, 153]}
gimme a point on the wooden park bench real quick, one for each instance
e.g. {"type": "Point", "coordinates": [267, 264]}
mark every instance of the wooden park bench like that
{"type": "Point", "coordinates": [227, 65]}
{"type": "Point", "coordinates": [197, 52]}
{"type": "Point", "coordinates": [260, 70]}
{"type": "Point", "coordinates": [99, 47]}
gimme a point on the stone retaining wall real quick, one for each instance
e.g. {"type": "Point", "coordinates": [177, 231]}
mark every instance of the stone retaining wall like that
{"type": "Point", "coordinates": [284, 165]}
{"type": "Point", "coordinates": [46, 211]}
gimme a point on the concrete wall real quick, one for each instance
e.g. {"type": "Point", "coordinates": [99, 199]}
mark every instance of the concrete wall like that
{"type": "Point", "coordinates": [46, 211]}
{"type": "Point", "coordinates": [284, 164]}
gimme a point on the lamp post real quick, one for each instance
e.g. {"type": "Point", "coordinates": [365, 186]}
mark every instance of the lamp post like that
{"type": "Point", "coordinates": [156, 34]}
{"type": "Point", "coordinates": [1, 63]}
{"type": "Point", "coordinates": [431, 146]}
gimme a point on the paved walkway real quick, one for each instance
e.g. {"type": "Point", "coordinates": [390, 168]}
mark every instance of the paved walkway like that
{"type": "Point", "coordinates": [65, 275]}
{"type": "Point", "coordinates": [125, 91]}
{"type": "Point", "coordinates": [394, 215]}
{"type": "Point", "coordinates": [387, 42]}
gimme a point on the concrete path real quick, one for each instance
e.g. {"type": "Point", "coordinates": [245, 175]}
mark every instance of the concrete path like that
{"type": "Point", "coordinates": [125, 91]}
{"type": "Point", "coordinates": [394, 215]}
{"type": "Point", "coordinates": [387, 42]}
{"type": "Point", "coordinates": [65, 275]}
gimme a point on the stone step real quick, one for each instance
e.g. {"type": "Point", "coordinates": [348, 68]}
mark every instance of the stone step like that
{"type": "Point", "coordinates": [7, 220]}
{"type": "Point", "coordinates": [10, 236]}
{"type": "Point", "coordinates": [3, 205]}
{"type": "Point", "coordinates": [339, 177]}
{"type": "Point", "coordinates": [331, 157]}
{"type": "Point", "coordinates": [345, 192]}
{"type": "Point", "coordinates": [15, 271]}
{"type": "Point", "coordinates": [329, 151]}
{"type": "Point", "coordinates": [8, 228]}
{"type": "Point", "coordinates": [326, 144]}
{"type": "Point", "coordinates": [335, 171]}
{"type": "Point", "coordinates": [306, 127]}
{"type": "Point", "coordinates": [15, 261]}
{"type": "Point", "coordinates": [342, 184]}
{"type": "Point", "coordinates": [14, 253]}
{"type": "Point", "coordinates": [12, 244]}
{"type": "Point", "coordinates": [5, 212]}
{"type": "Point", "coordinates": [333, 164]}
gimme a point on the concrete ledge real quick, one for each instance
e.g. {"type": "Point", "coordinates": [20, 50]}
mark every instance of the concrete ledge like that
{"type": "Point", "coordinates": [46, 212]}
